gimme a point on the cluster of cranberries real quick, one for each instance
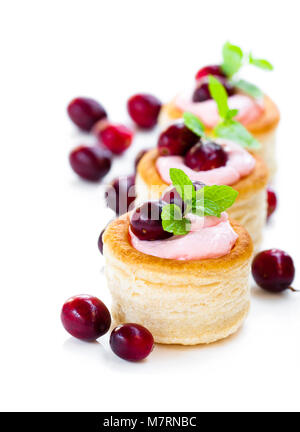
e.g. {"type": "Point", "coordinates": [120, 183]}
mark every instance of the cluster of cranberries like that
{"type": "Point", "coordinates": [93, 162]}
{"type": "Point", "coordinates": [199, 155]}
{"type": "Point", "coordinates": [87, 318]}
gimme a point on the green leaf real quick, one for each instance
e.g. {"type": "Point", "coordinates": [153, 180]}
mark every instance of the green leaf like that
{"type": "Point", "coordinates": [219, 94]}
{"type": "Point", "coordinates": [260, 63]}
{"type": "Point", "coordinates": [173, 221]}
{"type": "Point", "coordinates": [248, 88]}
{"type": "Point", "coordinates": [231, 114]}
{"type": "Point", "coordinates": [235, 131]}
{"type": "Point", "coordinates": [205, 207]}
{"type": "Point", "coordinates": [222, 196]}
{"type": "Point", "coordinates": [183, 184]}
{"type": "Point", "coordinates": [194, 124]}
{"type": "Point", "coordinates": [232, 59]}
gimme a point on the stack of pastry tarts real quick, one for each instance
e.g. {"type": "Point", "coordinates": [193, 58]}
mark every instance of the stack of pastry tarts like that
{"type": "Point", "coordinates": [179, 263]}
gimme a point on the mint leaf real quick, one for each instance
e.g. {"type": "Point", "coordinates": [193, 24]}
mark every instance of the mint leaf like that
{"type": "Point", "coordinates": [235, 131]}
{"type": "Point", "coordinates": [248, 88]}
{"type": "Point", "coordinates": [194, 124]}
{"type": "Point", "coordinates": [183, 184]}
{"type": "Point", "coordinates": [205, 207]}
{"type": "Point", "coordinates": [173, 221]}
{"type": "Point", "coordinates": [219, 94]}
{"type": "Point", "coordinates": [231, 114]}
{"type": "Point", "coordinates": [232, 59]}
{"type": "Point", "coordinates": [261, 63]}
{"type": "Point", "coordinates": [221, 196]}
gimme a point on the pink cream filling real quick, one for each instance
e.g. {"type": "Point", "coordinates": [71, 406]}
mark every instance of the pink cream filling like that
{"type": "Point", "coordinates": [209, 237]}
{"type": "Point", "coordinates": [249, 109]}
{"type": "Point", "coordinates": [240, 164]}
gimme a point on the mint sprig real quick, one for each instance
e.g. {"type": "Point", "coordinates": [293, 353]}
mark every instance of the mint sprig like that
{"type": "Point", "coordinates": [228, 128]}
{"type": "Point", "coordinates": [233, 60]}
{"type": "Point", "coordinates": [208, 201]}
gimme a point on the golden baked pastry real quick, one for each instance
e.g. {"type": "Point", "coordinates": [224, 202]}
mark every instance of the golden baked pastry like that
{"type": "Point", "coordinates": [180, 302]}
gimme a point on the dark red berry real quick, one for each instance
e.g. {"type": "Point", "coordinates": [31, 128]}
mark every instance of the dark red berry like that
{"type": "Point", "coordinates": [100, 242]}
{"type": "Point", "coordinates": [85, 317]}
{"type": "Point", "coordinates": [215, 70]}
{"type": "Point", "coordinates": [144, 110]}
{"type": "Point", "coordinates": [139, 157]}
{"type": "Point", "coordinates": [131, 342]}
{"type": "Point", "coordinates": [146, 222]}
{"type": "Point", "coordinates": [116, 137]}
{"type": "Point", "coordinates": [90, 163]}
{"type": "Point", "coordinates": [171, 196]}
{"type": "Point", "coordinates": [202, 92]}
{"type": "Point", "coordinates": [120, 194]}
{"type": "Point", "coordinates": [177, 139]}
{"type": "Point", "coordinates": [273, 270]}
{"type": "Point", "coordinates": [207, 156]}
{"type": "Point", "coordinates": [85, 112]}
{"type": "Point", "coordinates": [272, 201]}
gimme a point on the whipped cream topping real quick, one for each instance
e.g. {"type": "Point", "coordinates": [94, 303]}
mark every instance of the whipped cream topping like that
{"type": "Point", "coordinates": [249, 109]}
{"type": "Point", "coordinates": [209, 237]}
{"type": "Point", "coordinates": [240, 164]}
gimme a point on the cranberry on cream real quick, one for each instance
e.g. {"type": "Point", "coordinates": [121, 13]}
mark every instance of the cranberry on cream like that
{"type": "Point", "coordinates": [240, 163]}
{"type": "Point", "coordinates": [209, 237]}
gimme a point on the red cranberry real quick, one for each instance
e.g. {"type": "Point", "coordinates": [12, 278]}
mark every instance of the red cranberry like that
{"type": "Point", "coordinates": [204, 157]}
{"type": "Point", "coordinates": [144, 110]}
{"type": "Point", "coordinates": [85, 112]}
{"type": "Point", "coordinates": [273, 270]}
{"type": "Point", "coordinates": [116, 137]}
{"type": "Point", "coordinates": [171, 196]}
{"type": "Point", "coordinates": [131, 342]}
{"type": "Point", "coordinates": [121, 194]}
{"type": "Point", "coordinates": [139, 157]}
{"type": "Point", "coordinates": [202, 92]}
{"type": "Point", "coordinates": [146, 222]}
{"type": "Point", "coordinates": [90, 163]}
{"type": "Point", "coordinates": [177, 139]}
{"type": "Point", "coordinates": [272, 201]}
{"type": "Point", "coordinates": [215, 70]}
{"type": "Point", "coordinates": [85, 317]}
{"type": "Point", "coordinates": [100, 242]}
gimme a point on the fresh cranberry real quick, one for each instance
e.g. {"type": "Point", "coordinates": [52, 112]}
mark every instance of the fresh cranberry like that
{"type": "Point", "coordinates": [144, 110]}
{"type": "Point", "coordinates": [85, 112]}
{"type": "Point", "coordinates": [139, 157]}
{"type": "Point", "coordinates": [215, 70]}
{"type": "Point", "coordinates": [116, 137]}
{"type": "Point", "coordinates": [85, 317]}
{"type": "Point", "coordinates": [90, 163]}
{"type": "Point", "coordinates": [204, 157]}
{"type": "Point", "coordinates": [177, 139]}
{"type": "Point", "coordinates": [100, 242]}
{"type": "Point", "coordinates": [131, 342]}
{"type": "Point", "coordinates": [272, 201]}
{"type": "Point", "coordinates": [202, 92]}
{"type": "Point", "coordinates": [120, 194]}
{"type": "Point", "coordinates": [146, 222]}
{"type": "Point", "coordinates": [273, 270]}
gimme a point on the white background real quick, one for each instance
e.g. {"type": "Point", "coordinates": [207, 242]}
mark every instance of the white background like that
{"type": "Point", "coordinates": [50, 220]}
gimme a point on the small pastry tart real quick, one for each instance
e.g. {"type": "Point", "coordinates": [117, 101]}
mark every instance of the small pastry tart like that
{"type": "Point", "coordinates": [246, 173]}
{"type": "Point", "coordinates": [182, 294]}
{"type": "Point", "coordinates": [260, 118]}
